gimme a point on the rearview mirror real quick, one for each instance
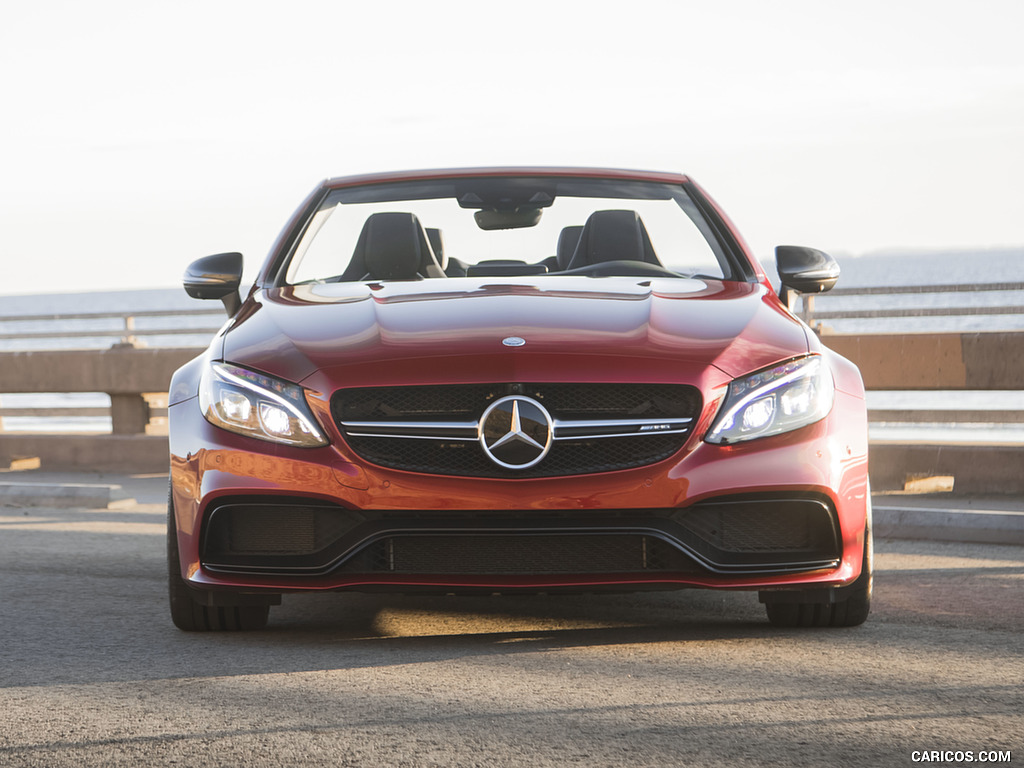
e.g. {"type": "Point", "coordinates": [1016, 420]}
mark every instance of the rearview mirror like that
{"type": "Point", "coordinates": [489, 219]}
{"type": "Point", "coordinates": [806, 270]}
{"type": "Point", "coordinates": [216, 277]}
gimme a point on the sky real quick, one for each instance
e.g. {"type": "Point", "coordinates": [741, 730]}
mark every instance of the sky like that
{"type": "Point", "coordinates": [137, 136]}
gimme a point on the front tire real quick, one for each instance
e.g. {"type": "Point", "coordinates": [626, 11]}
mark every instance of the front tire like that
{"type": "Point", "coordinates": [190, 615]}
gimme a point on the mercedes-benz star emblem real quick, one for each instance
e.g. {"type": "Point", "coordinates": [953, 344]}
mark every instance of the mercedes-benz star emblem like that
{"type": "Point", "coordinates": [516, 432]}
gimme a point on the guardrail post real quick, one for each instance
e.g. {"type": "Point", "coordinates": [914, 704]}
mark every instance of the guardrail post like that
{"type": "Point", "coordinates": [129, 414]}
{"type": "Point", "coordinates": [789, 297]}
{"type": "Point", "coordinates": [129, 340]}
{"type": "Point", "coordinates": [808, 308]}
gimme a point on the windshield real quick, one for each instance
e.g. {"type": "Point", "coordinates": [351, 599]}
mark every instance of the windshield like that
{"type": "Point", "coordinates": [499, 226]}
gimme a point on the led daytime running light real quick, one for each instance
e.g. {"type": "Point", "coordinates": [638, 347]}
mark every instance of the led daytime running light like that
{"type": "Point", "coordinates": [242, 383]}
{"type": "Point", "coordinates": [759, 392]}
{"type": "Point", "coordinates": [260, 406]}
{"type": "Point", "coordinates": [784, 414]}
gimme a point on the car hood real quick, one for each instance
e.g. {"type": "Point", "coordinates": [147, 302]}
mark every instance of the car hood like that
{"type": "Point", "coordinates": [452, 330]}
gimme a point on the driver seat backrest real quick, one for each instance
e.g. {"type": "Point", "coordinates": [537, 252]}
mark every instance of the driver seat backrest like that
{"type": "Point", "coordinates": [613, 236]}
{"type": "Point", "coordinates": [392, 246]}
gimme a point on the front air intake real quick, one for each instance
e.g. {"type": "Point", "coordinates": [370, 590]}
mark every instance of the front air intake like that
{"type": "Point", "coordinates": [265, 535]}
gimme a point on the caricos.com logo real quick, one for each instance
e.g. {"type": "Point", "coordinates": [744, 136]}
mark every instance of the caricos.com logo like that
{"type": "Point", "coordinates": [960, 756]}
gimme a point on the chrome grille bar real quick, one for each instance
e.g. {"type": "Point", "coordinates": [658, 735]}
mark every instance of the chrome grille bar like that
{"type": "Point", "coordinates": [470, 430]}
{"type": "Point", "coordinates": [424, 430]}
{"type": "Point", "coordinates": [577, 430]}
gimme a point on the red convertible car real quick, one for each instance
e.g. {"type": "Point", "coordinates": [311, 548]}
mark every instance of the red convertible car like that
{"type": "Point", "coordinates": [515, 380]}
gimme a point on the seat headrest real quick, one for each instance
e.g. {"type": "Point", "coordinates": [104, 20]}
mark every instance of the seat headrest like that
{"type": "Point", "coordinates": [392, 246]}
{"type": "Point", "coordinates": [392, 250]}
{"type": "Point", "coordinates": [613, 236]}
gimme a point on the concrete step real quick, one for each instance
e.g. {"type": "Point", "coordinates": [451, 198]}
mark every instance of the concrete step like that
{"type": "Point", "coordinates": [966, 520]}
{"type": "Point", "coordinates": [63, 495]}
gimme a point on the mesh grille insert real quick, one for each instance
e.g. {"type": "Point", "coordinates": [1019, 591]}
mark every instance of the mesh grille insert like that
{"type": "Point", "coordinates": [266, 533]}
{"type": "Point", "coordinates": [785, 528]}
{"type": "Point", "coordinates": [505, 555]}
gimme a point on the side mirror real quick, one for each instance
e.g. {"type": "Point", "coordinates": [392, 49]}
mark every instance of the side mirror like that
{"type": "Point", "coordinates": [806, 270]}
{"type": "Point", "coordinates": [216, 277]}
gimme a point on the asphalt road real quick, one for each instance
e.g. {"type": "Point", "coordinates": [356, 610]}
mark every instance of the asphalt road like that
{"type": "Point", "coordinates": [92, 672]}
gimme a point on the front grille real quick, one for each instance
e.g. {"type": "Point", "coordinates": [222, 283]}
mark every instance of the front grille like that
{"type": "Point", "coordinates": [432, 402]}
{"type": "Point", "coordinates": [569, 404]}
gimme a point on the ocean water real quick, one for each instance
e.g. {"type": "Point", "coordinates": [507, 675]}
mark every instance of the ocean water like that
{"type": "Point", "coordinates": [879, 269]}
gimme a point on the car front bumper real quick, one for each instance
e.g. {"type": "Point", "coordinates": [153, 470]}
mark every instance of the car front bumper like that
{"type": "Point", "coordinates": [782, 512]}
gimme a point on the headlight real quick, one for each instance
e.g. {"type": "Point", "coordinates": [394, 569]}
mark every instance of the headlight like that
{"type": "Point", "coordinates": [776, 400]}
{"type": "Point", "coordinates": [258, 405]}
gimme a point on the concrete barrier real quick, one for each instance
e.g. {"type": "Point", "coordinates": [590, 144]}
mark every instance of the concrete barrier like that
{"type": "Point", "coordinates": [980, 470]}
{"type": "Point", "coordinates": [124, 372]}
{"type": "Point", "coordinates": [132, 454]}
{"type": "Point", "coordinates": [941, 361]}
{"type": "Point", "coordinates": [950, 361]}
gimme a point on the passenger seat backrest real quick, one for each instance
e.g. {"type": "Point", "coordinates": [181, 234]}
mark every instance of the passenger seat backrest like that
{"type": "Point", "coordinates": [613, 236]}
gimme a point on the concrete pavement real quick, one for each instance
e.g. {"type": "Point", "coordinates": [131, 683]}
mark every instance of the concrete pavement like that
{"type": "Point", "coordinates": [93, 673]}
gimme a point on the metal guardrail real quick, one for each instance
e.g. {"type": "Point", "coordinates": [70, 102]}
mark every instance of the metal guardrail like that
{"type": "Point", "coordinates": [64, 412]}
{"type": "Point", "coordinates": [813, 317]}
{"type": "Point", "coordinates": [944, 416]}
{"type": "Point", "coordinates": [125, 328]}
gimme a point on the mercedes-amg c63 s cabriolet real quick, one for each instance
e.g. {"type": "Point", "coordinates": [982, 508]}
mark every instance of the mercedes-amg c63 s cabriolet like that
{"type": "Point", "coordinates": [513, 381]}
